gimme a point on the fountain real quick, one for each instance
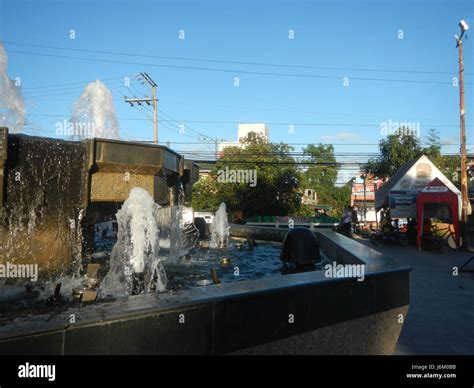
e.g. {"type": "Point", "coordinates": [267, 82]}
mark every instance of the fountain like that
{"type": "Point", "coordinates": [65, 189]}
{"type": "Point", "coordinates": [220, 228]}
{"type": "Point", "coordinates": [12, 105]}
{"type": "Point", "coordinates": [54, 194]}
{"type": "Point", "coordinates": [134, 263]}
{"type": "Point", "coordinates": [42, 204]}
{"type": "Point", "coordinates": [178, 234]}
{"type": "Point", "coordinates": [93, 114]}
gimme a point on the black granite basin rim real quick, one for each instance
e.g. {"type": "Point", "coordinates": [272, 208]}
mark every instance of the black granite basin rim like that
{"type": "Point", "coordinates": [377, 264]}
{"type": "Point", "coordinates": [220, 318]}
{"type": "Point", "coordinates": [346, 248]}
{"type": "Point", "coordinates": [57, 318]}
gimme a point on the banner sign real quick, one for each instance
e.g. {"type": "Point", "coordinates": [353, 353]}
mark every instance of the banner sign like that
{"type": "Point", "coordinates": [435, 189]}
{"type": "Point", "coordinates": [402, 204]}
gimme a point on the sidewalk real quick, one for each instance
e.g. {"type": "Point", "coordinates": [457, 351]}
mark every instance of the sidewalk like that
{"type": "Point", "coordinates": [441, 315]}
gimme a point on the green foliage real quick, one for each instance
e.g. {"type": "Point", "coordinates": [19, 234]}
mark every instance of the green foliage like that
{"type": "Point", "coordinates": [399, 148]}
{"type": "Point", "coordinates": [433, 150]}
{"type": "Point", "coordinates": [322, 178]}
{"type": "Point", "coordinates": [276, 191]}
{"type": "Point", "coordinates": [448, 164]}
{"type": "Point", "coordinates": [320, 175]}
{"type": "Point", "coordinates": [280, 183]}
{"type": "Point", "coordinates": [204, 196]}
{"type": "Point", "coordinates": [395, 150]}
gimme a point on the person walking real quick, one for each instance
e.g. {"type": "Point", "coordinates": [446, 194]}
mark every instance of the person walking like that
{"type": "Point", "coordinates": [346, 220]}
{"type": "Point", "coordinates": [354, 219]}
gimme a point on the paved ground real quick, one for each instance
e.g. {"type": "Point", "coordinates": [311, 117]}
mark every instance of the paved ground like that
{"type": "Point", "coordinates": [441, 315]}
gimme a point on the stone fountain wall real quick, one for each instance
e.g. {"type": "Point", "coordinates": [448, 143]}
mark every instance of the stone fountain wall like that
{"type": "Point", "coordinates": [43, 201]}
{"type": "Point", "coordinates": [52, 192]}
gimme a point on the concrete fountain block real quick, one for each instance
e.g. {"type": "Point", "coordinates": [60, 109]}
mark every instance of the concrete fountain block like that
{"type": "Point", "coordinates": [53, 191]}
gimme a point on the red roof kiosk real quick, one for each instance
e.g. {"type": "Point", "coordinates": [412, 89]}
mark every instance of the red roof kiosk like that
{"type": "Point", "coordinates": [437, 192]}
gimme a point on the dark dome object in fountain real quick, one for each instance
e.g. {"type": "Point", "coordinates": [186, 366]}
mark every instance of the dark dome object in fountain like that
{"type": "Point", "coordinates": [251, 242]}
{"type": "Point", "coordinates": [202, 226]}
{"type": "Point", "coordinates": [300, 248]}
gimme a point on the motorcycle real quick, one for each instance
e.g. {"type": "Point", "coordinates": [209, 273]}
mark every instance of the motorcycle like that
{"type": "Point", "coordinates": [378, 237]}
{"type": "Point", "coordinates": [344, 229]}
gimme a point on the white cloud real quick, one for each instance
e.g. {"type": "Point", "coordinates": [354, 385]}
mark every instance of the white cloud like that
{"type": "Point", "coordinates": [341, 136]}
{"type": "Point", "coordinates": [449, 141]}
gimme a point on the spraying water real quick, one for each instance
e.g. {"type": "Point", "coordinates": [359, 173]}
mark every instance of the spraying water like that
{"type": "Point", "coordinates": [220, 228]}
{"type": "Point", "coordinates": [93, 114]}
{"type": "Point", "coordinates": [177, 232]}
{"type": "Point", "coordinates": [134, 263]}
{"type": "Point", "coordinates": [12, 106]}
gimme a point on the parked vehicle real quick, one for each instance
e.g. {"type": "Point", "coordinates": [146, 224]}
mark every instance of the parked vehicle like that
{"type": "Point", "coordinates": [378, 237]}
{"type": "Point", "coordinates": [208, 216]}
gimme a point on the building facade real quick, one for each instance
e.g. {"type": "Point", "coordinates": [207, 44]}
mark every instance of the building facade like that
{"type": "Point", "coordinates": [244, 130]}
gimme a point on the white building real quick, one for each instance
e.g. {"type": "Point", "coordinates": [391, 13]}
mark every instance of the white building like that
{"type": "Point", "coordinates": [246, 129]}
{"type": "Point", "coordinates": [310, 197]}
{"type": "Point", "coordinates": [259, 129]}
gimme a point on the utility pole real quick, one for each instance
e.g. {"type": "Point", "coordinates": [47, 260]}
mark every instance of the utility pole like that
{"type": "Point", "coordinates": [464, 195]}
{"type": "Point", "coordinates": [148, 100]}
{"type": "Point", "coordinates": [364, 177]}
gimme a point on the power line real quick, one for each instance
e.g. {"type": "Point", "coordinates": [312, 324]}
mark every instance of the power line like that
{"type": "Point", "coordinates": [188, 128]}
{"type": "Point", "coordinates": [305, 144]}
{"type": "Point", "coordinates": [236, 122]}
{"type": "Point", "coordinates": [214, 106]}
{"type": "Point", "coordinates": [309, 124]}
{"type": "Point", "coordinates": [70, 83]}
{"type": "Point", "coordinates": [73, 90]}
{"type": "Point", "coordinates": [121, 53]}
{"type": "Point", "coordinates": [298, 163]}
{"type": "Point", "coordinates": [291, 154]}
{"type": "Point", "coordinates": [233, 71]}
{"type": "Point", "coordinates": [269, 123]}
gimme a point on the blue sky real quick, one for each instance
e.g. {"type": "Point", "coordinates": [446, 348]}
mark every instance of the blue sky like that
{"type": "Point", "coordinates": [334, 35]}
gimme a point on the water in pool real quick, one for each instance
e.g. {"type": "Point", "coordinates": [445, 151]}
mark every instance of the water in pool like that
{"type": "Point", "coordinates": [235, 263]}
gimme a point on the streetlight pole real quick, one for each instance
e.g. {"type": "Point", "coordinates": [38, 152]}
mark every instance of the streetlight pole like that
{"type": "Point", "coordinates": [464, 195]}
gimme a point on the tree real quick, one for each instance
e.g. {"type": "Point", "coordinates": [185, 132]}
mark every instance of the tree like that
{"type": "Point", "coordinates": [395, 150]}
{"type": "Point", "coordinates": [204, 196]}
{"type": "Point", "coordinates": [277, 186]}
{"type": "Point", "coordinates": [324, 174]}
{"type": "Point", "coordinates": [323, 177]}
{"type": "Point", "coordinates": [398, 148]}
{"type": "Point", "coordinates": [433, 151]}
{"type": "Point", "coordinates": [448, 164]}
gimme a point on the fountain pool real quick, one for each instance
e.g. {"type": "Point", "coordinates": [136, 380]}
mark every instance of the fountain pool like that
{"type": "Point", "coordinates": [194, 269]}
{"type": "Point", "coordinates": [234, 264]}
